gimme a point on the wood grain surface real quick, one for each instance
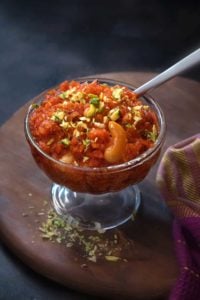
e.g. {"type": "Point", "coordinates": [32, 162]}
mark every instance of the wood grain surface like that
{"type": "Point", "coordinates": [152, 269]}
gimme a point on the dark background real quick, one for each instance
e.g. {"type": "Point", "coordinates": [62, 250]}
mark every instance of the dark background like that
{"type": "Point", "coordinates": [45, 42]}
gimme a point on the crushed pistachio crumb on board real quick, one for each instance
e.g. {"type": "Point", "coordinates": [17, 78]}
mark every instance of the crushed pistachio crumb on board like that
{"type": "Point", "coordinates": [93, 246]}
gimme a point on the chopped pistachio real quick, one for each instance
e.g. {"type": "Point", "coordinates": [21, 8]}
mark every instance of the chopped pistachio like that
{"type": "Point", "coordinates": [136, 119]}
{"type": "Point", "coordinates": [34, 105]}
{"type": "Point", "coordinates": [101, 96]}
{"type": "Point", "coordinates": [105, 99]}
{"type": "Point", "coordinates": [101, 106]}
{"type": "Point", "coordinates": [137, 113]}
{"type": "Point", "coordinates": [64, 124]}
{"type": "Point", "coordinates": [50, 141]}
{"type": "Point", "coordinates": [92, 95]}
{"type": "Point", "coordinates": [137, 107]}
{"type": "Point", "coordinates": [82, 124]}
{"type": "Point", "coordinates": [153, 134]}
{"type": "Point", "coordinates": [65, 142]}
{"type": "Point", "coordinates": [117, 93]}
{"type": "Point", "coordinates": [78, 96]}
{"type": "Point", "coordinates": [76, 133]}
{"type": "Point", "coordinates": [90, 111]}
{"type": "Point", "coordinates": [67, 93]}
{"type": "Point", "coordinates": [58, 116]}
{"type": "Point", "coordinates": [62, 96]}
{"type": "Point", "coordinates": [59, 223]}
{"type": "Point", "coordinates": [86, 143]}
{"type": "Point", "coordinates": [95, 101]}
{"type": "Point", "coordinates": [114, 114]}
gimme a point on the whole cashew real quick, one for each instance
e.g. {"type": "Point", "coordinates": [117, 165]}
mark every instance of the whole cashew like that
{"type": "Point", "coordinates": [114, 152]}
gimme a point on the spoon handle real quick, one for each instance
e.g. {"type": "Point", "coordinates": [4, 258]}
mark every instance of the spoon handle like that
{"type": "Point", "coordinates": [174, 70]}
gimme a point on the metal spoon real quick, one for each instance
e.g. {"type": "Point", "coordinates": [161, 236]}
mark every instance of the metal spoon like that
{"type": "Point", "coordinates": [182, 65]}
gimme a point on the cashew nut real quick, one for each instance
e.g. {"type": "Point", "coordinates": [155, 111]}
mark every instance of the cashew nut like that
{"type": "Point", "coordinates": [114, 152]}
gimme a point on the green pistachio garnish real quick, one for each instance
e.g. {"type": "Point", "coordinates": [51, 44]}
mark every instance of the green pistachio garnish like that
{"type": "Point", "coordinates": [65, 142]}
{"type": "Point", "coordinates": [64, 124]}
{"type": "Point", "coordinates": [90, 111]}
{"type": "Point", "coordinates": [67, 93]}
{"type": "Point", "coordinates": [94, 247]}
{"type": "Point", "coordinates": [34, 105]}
{"type": "Point", "coordinates": [86, 143]}
{"type": "Point", "coordinates": [117, 93]}
{"type": "Point", "coordinates": [101, 106]}
{"type": "Point", "coordinates": [95, 101]}
{"type": "Point", "coordinates": [152, 135]}
{"type": "Point", "coordinates": [114, 114]}
{"type": "Point", "coordinates": [62, 96]}
{"type": "Point", "coordinates": [78, 96]}
{"type": "Point", "coordinates": [50, 141]}
{"type": "Point", "coordinates": [58, 116]}
{"type": "Point", "coordinates": [92, 96]}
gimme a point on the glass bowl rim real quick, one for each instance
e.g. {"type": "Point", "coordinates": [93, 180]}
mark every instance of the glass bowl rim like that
{"type": "Point", "coordinates": [126, 165]}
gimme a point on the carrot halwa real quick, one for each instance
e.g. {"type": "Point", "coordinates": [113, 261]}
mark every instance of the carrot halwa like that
{"type": "Point", "coordinates": [93, 124]}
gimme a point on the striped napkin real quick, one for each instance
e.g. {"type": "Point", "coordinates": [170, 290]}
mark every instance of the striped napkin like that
{"type": "Point", "coordinates": [178, 178]}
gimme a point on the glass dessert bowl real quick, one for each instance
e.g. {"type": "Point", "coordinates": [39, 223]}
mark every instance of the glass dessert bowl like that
{"type": "Point", "coordinates": [96, 197]}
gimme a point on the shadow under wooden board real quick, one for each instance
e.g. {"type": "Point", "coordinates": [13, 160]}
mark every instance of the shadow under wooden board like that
{"type": "Point", "coordinates": [150, 268]}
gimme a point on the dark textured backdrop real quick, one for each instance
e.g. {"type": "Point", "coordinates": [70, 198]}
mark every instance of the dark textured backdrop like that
{"type": "Point", "coordinates": [44, 42]}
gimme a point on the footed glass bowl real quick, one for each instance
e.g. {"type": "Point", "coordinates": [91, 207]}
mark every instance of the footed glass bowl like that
{"type": "Point", "coordinates": [97, 197]}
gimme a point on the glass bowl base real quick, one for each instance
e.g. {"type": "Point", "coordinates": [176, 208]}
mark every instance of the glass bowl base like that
{"type": "Point", "coordinates": [96, 212]}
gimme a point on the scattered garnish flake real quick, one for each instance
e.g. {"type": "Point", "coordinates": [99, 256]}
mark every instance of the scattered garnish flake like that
{"type": "Point", "coordinates": [153, 134]}
{"type": "Point", "coordinates": [93, 246]}
{"type": "Point", "coordinates": [65, 142]}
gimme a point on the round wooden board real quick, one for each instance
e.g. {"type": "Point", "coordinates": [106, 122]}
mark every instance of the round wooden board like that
{"type": "Point", "coordinates": [151, 269]}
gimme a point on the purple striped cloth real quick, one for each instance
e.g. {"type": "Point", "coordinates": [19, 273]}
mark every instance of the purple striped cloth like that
{"type": "Point", "coordinates": [178, 178]}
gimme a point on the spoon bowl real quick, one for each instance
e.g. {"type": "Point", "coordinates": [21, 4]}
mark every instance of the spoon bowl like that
{"type": "Point", "coordinates": [179, 67]}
